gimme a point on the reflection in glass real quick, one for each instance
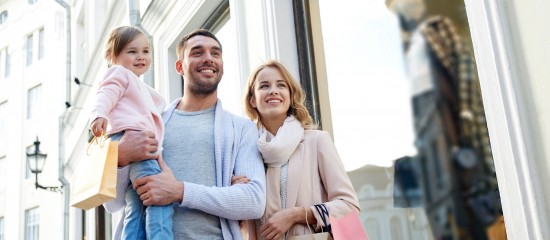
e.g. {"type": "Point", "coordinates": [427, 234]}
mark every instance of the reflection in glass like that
{"type": "Point", "coordinates": [447, 187]}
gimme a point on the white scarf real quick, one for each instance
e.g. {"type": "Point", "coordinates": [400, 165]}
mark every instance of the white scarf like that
{"type": "Point", "coordinates": [276, 153]}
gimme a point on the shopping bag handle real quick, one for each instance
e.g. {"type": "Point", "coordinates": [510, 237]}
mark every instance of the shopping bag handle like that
{"type": "Point", "coordinates": [98, 140]}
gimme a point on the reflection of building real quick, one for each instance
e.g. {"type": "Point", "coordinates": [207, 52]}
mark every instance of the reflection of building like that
{"type": "Point", "coordinates": [381, 220]}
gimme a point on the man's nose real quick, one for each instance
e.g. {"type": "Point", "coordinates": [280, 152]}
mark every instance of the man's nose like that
{"type": "Point", "coordinates": [208, 57]}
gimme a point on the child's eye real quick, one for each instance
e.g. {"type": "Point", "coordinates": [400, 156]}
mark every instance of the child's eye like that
{"type": "Point", "coordinates": [145, 51]}
{"type": "Point", "coordinates": [131, 51]}
{"type": "Point", "coordinates": [263, 86]}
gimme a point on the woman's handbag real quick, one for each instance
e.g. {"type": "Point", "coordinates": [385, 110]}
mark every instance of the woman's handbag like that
{"type": "Point", "coordinates": [313, 236]}
{"type": "Point", "coordinates": [95, 178]}
{"type": "Point", "coordinates": [348, 227]}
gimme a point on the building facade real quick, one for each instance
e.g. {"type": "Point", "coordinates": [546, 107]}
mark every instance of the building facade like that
{"type": "Point", "coordinates": [348, 57]}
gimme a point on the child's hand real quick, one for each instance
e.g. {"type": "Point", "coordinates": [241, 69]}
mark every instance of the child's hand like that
{"type": "Point", "coordinates": [99, 126]}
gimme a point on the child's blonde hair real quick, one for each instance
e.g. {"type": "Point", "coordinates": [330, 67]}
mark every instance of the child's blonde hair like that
{"type": "Point", "coordinates": [118, 38]}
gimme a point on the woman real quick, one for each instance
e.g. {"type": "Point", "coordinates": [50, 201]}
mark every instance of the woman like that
{"type": "Point", "coordinates": [303, 167]}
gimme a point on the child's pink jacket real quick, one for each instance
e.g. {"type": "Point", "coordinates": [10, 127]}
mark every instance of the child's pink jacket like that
{"type": "Point", "coordinates": [123, 100]}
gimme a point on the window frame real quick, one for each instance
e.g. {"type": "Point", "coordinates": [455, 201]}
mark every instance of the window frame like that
{"type": "Point", "coordinates": [41, 44]}
{"type": "Point", "coordinates": [3, 112]}
{"type": "Point", "coordinates": [2, 228]}
{"type": "Point", "coordinates": [3, 175]}
{"type": "Point", "coordinates": [518, 179]}
{"type": "Point", "coordinates": [3, 17]}
{"type": "Point", "coordinates": [34, 102]}
{"type": "Point", "coordinates": [29, 49]}
{"type": "Point", "coordinates": [32, 224]}
{"type": "Point", "coordinates": [7, 63]}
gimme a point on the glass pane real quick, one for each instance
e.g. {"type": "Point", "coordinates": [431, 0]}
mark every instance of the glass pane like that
{"type": "Point", "coordinates": [7, 68]}
{"type": "Point", "coordinates": [29, 50]}
{"type": "Point", "coordinates": [230, 88]}
{"type": "Point", "coordinates": [1, 228]}
{"type": "Point", "coordinates": [33, 101]}
{"type": "Point", "coordinates": [31, 224]}
{"type": "Point", "coordinates": [408, 120]}
{"type": "Point", "coordinates": [41, 44]}
{"type": "Point", "coordinates": [3, 116]}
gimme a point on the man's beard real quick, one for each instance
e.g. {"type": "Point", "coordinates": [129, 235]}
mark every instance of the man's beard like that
{"type": "Point", "coordinates": [201, 89]}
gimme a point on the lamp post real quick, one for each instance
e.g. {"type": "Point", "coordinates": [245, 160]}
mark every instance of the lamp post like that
{"type": "Point", "coordinates": [36, 161]}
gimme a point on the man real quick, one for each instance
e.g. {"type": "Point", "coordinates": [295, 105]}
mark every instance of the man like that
{"type": "Point", "coordinates": [203, 147]}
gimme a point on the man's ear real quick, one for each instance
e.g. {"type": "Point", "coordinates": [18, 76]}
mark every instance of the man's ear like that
{"type": "Point", "coordinates": [179, 67]}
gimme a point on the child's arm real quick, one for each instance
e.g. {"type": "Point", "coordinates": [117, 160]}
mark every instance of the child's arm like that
{"type": "Point", "coordinates": [99, 126]}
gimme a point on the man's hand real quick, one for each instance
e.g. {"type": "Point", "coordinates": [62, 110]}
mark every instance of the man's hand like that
{"type": "Point", "coordinates": [135, 146]}
{"type": "Point", "coordinates": [159, 189]}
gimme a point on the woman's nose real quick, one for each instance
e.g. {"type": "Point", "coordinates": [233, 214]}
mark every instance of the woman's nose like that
{"type": "Point", "coordinates": [273, 91]}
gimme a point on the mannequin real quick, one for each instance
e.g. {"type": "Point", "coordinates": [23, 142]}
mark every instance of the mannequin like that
{"type": "Point", "coordinates": [442, 70]}
{"type": "Point", "coordinates": [446, 100]}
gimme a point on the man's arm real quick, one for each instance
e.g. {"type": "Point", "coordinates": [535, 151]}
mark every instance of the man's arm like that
{"type": "Point", "coordinates": [237, 202]}
{"type": "Point", "coordinates": [240, 201]}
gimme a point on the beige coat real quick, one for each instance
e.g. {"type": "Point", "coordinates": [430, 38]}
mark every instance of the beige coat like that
{"type": "Point", "coordinates": [316, 175]}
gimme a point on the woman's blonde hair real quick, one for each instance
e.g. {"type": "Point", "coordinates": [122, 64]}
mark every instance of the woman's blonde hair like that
{"type": "Point", "coordinates": [297, 96]}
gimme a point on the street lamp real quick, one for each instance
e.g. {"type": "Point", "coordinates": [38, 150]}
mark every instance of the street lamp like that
{"type": "Point", "coordinates": [36, 161]}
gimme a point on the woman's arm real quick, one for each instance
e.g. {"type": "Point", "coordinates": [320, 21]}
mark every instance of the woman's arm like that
{"type": "Point", "coordinates": [342, 198]}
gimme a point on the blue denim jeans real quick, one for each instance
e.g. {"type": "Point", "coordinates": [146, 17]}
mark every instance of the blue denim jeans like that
{"type": "Point", "coordinates": [145, 222]}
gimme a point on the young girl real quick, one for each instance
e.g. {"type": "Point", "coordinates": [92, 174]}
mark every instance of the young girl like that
{"type": "Point", "coordinates": [126, 103]}
{"type": "Point", "coordinates": [303, 167]}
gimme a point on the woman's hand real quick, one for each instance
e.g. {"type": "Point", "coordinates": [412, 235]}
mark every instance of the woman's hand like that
{"type": "Point", "coordinates": [279, 223]}
{"type": "Point", "coordinates": [239, 180]}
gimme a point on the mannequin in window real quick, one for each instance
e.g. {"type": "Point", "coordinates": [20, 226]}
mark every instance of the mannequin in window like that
{"type": "Point", "coordinates": [442, 70]}
{"type": "Point", "coordinates": [444, 83]}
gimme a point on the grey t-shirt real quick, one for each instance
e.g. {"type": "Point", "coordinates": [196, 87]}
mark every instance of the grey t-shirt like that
{"type": "Point", "coordinates": [189, 152]}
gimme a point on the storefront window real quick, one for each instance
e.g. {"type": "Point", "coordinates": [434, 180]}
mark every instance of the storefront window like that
{"type": "Point", "coordinates": [408, 119]}
{"type": "Point", "coordinates": [230, 88]}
